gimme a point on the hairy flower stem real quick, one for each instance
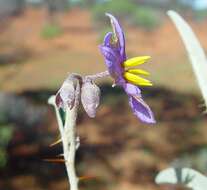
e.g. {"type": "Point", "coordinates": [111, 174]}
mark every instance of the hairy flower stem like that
{"type": "Point", "coordinates": [96, 76]}
{"type": "Point", "coordinates": [68, 137]}
{"type": "Point", "coordinates": [67, 131]}
{"type": "Point", "coordinates": [69, 140]}
{"type": "Point", "coordinates": [69, 146]}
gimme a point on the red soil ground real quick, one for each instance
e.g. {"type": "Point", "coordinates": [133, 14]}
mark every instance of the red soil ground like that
{"type": "Point", "coordinates": [76, 50]}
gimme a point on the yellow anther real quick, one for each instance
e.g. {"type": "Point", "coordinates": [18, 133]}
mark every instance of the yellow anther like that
{"type": "Point", "coordinates": [136, 61]}
{"type": "Point", "coordinates": [137, 80]}
{"type": "Point", "coordinates": [138, 72]}
{"type": "Point", "coordinates": [146, 84]}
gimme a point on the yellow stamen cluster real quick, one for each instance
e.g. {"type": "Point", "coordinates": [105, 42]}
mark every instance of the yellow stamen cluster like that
{"type": "Point", "coordinates": [132, 75]}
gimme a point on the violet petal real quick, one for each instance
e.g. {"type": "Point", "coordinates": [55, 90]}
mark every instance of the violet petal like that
{"type": "Point", "coordinates": [107, 39]}
{"type": "Point", "coordinates": [141, 110]}
{"type": "Point", "coordinates": [112, 61]}
{"type": "Point", "coordinates": [108, 53]}
{"type": "Point", "coordinates": [131, 89]}
{"type": "Point", "coordinates": [120, 35]}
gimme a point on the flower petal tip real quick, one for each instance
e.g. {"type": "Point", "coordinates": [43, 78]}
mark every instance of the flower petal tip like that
{"type": "Point", "coordinates": [109, 15]}
{"type": "Point", "coordinates": [151, 122]}
{"type": "Point", "coordinates": [148, 120]}
{"type": "Point", "coordinates": [141, 110]}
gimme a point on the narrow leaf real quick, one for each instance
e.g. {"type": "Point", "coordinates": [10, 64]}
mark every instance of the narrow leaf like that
{"type": "Point", "coordinates": [195, 51]}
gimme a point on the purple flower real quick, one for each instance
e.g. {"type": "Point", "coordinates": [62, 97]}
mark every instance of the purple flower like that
{"type": "Point", "coordinates": [113, 50]}
{"type": "Point", "coordinates": [65, 97]}
{"type": "Point", "coordinates": [90, 95]}
{"type": "Point", "coordinates": [90, 98]}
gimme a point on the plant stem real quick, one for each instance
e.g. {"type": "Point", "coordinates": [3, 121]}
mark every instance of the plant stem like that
{"type": "Point", "coordinates": [69, 141]}
{"type": "Point", "coordinates": [68, 137]}
{"type": "Point", "coordinates": [69, 147]}
{"type": "Point", "coordinates": [67, 132]}
{"type": "Point", "coordinates": [51, 101]}
{"type": "Point", "coordinates": [97, 76]}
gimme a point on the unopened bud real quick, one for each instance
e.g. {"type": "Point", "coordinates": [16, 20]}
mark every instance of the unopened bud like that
{"type": "Point", "coordinates": [90, 97]}
{"type": "Point", "coordinates": [66, 95]}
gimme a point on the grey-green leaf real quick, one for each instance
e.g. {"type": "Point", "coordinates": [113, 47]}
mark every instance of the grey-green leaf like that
{"type": "Point", "coordinates": [195, 51]}
{"type": "Point", "coordinates": [185, 176]}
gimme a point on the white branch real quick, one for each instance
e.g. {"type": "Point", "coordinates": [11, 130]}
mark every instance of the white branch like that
{"type": "Point", "coordinates": [51, 101]}
{"type": "Point", "coordinates": [68, 136]}
{"type": "Point", "coordinates": [69, 139]}
{"type": "Point", "coordinates": [69, 147]}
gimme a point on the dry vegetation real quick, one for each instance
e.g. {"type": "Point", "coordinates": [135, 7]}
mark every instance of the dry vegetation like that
{"type": "Point", "coordinates": [77, 50]}
{"type": "Point", "coordinates": [119, 151]}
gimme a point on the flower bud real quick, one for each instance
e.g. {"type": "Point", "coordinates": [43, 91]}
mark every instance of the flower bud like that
{"type": "Point", "coordinates": [66, 95]}
{"type": "Point", "coordinates": [90, 97]}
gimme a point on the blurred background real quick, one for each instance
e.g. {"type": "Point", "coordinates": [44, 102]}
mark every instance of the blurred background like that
{"type": "Point", "coordinates": [41, 41]}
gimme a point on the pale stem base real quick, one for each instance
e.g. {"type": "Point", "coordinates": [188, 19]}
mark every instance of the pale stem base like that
{"type": "Point", "coordinates": [69, 143]}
